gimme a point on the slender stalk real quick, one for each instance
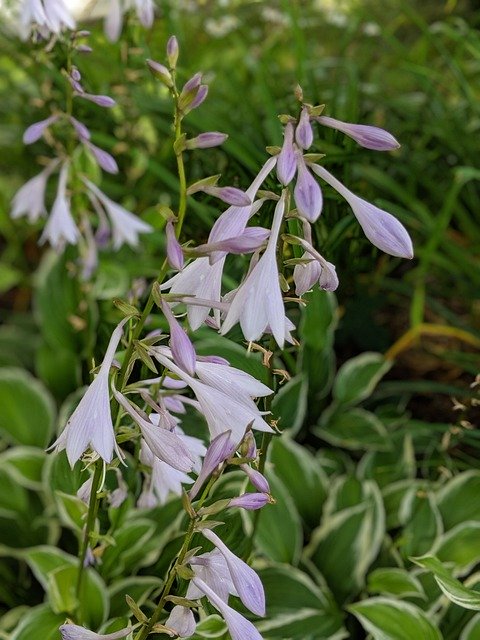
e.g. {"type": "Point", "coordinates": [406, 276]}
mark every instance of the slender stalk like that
{"type": "Point", "coordinates": [91, 517]}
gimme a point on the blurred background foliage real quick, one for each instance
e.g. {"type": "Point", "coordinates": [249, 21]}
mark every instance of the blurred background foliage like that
{"type": "Point", "coordinates": [380, 471]}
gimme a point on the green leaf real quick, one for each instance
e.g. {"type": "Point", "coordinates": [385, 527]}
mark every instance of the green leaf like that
{"type": "Point", "coordinates": [394, 582]}
{"type": "Point", "coordinates": [458, 499]}
{"type": "Point", "coordinates": [450, 586]}
{"type": "Point", "coordinates": [290, 404]}
{"type": "Point", "coordinates": [72, 510]}
{"type": "Point", "coordinates": [472, 629]}
{"type": "Point", "coordinates": [59, 369]}
{"type": "Point", "coordinates": [137, 587]}
{"type": "Point", "coordinates": [129, 547]}
{"type": "Point", "coordinates": [388, 619]}
{"type": "Point", "coordinates": [25, 465]}
{"type": "Point", "coordinates": [357, 378]}
{"type": "Point", "coordinates": [297, 608]}
{"type": "Point", "coordinates": [319, 320]}
{"type": "Point", "coordinates": [211, 627]}
{"type": "Point", "coordinates": [302, 476]}
{"type": "Point", "coordinates": [423, 523]}
{"type": "Point", "coordinates": [348, 541]}
{"type": "Point", "coordinates": [354, 429]}
{"type": "Point", "coordinates": [39, 622]}
{"type": "Point", "coordinates": [460, 546]}
{"type": "Point", "coordinates": [279, 531]}
{"type": "Point", "coordinates": [28, 411]}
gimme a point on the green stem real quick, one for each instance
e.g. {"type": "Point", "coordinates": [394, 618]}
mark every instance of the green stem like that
{"type": "Point", "coordinates": [91, 517]}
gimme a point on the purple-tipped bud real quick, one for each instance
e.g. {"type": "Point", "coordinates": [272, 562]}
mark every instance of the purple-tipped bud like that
{"type": "Point", "coordinates": [193, 83]}
{"type": "Point", "coordinates": [367, 136]}
{"type": "Point", "coordinates": [182, 348]}
{"type": "Point", "coordinates": [83, 33]}
{"type": "Point", "coordinates": [101, 101]}
{"type": "Point", "coordinates": [75, 74]}
{"type": "Point", "coordinates": [230, 195]}
{"type": "Point", "coordinates": [206, 140]}
{"type": "Point", "coordinates": [307, 193]}
{"type": "Point", "coordinates": [35, 131]}
{"type": "Point", "coordinates": [172, 51]}
{"type": "Point", "coordinates": [304, 131]}
{"type": "Point", "coordinates": [83, 48]}
{"type": "Point", "coordinates": [161, 72]}
{"type": "Point", "coordinates": [81, 130]}
{"type": "Point", "coordinates": [174, 250]}
{"type": "Point", "coordinates": [381, 228]}
{"type": "Point", "coordinates": [220, 449]}
{"type": "Point", "coordinates": [250, 501]}
{"type": "Point", "coordinates": [250, 445]}
{"type": "Point", "coordinates": [103, 158]}
{"type": "Point", "coordinates": [199, 98]}
{"type": "Point", "coordinates": [256, 478]}
{"type": "Point", "coordinates": [287, 162]}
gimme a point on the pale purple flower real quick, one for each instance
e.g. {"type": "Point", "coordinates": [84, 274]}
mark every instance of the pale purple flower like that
{"type": "Point", "coordinates": [103, 158]}
{"type": "Point", "coordinates": [29, 200]}
{"type": "Point", "coordinates": [183, 352]}
{"type": "Point", "coordinates": [247, 583]}
{"type": "Point", "coordinates": [250, 501]}
{"type": "Point", "coordinates": [381, 228]}
{"type": "Point", "coordinates": [220, 449]}
{"type": "Point", "coordinates": [113, 21]}
{"type": "Point", "coordinates": [161, 72]}
{"type": "Point", "coordinates": [174, 249]}
{"type": "Point", "coordinates": [314, 269]}
{"type": "Point", "coordinates": [182, 621]}
{"type": "Point", "coordinates": [172, 51]}
{"type": "Point", "coordinates": [118, 496]}
{"type": "Point", "coordinates": [212, 569]}
{"type": "Point", "coordinates": [230, 195]}
{"type": "Point", "coordinates": [250, 240]}
{"type": "Point", "coordinates": [61, 227]}
{"type": "Point", "coordinates": [367, 136]}
{"type": "Point", "coordinates": [256, 478]}
{"type": "Point", "coordinates": [164, 444]}
{"type": "Point", "coordinates": [286, 159]}
{"type": "Point", "coordinates": [81, 130]}
{"type": "Point", "coordinates": [239, 627]}
{"type": "Point", "coordinates": [74, 632]}
{"type": "Point", "coordinates": [198, 99]}
{"type": "Point", "coordinates": [49, 16]}
{"type": "Point", "coordinates": [84, 491]}
{"type": "Point", "coordinates": [101, 101]}
{"type": "Point", "coordinates": [90, 425]}
{"type": "Point", "coordinates": [307, 193]}
{"type": "Point", "coordinates": [164, 479]}
{"type": "Point", "coordinates": [35, 131]}
{"type": "Point", "coordinates": [58, 15]}
{"type": "Point", "coordinates": [126, 226]}
{"type": "Point", "coordinates": [206, 140]}
{"type": "Point", "coordinates": [145, 12]}
{"type": "Point", "coordinates": [304, 131]}
{"type": "Point", "coordinates": [258, 302]}
{"type": "Point", "coordinates": [228, 379]}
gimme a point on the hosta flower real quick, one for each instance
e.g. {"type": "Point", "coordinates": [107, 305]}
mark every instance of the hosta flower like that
{"type": "Point", "coordinates": [381, 228]}
{"type": "Point", "coordinates": [304, 131]}
{"type": "Point", "coordinates": [61, 228]}
{"type": "Point", "coordinates": [286, 159]}
{"type": "Point", "coordinates": [163, 481]}
{"type": "Point", "coordinates": [239, 627]}
{"type": "Point", "coordinates": [30, 198]}
{"type": "Point", "coordinates": [35, 131]}
{"type": "Point", "coordinates": [74, 632]}
{"type": "Point", "coordinates": [90, 425]}
{"type": "Point", "coordinates": [258, 302]}
{"type": "Point", "coordinates": [49, 16]}
{"type": "Point", "coordinates": [307, 193]}
{"type": "Point", "coordinates": [174, 249]}
{"type": "Point", "coordinates": [125, 226]}
{"type": "Point", "coordinates": [212, 568]}
{"type": "Point", "coordinates": [183, 352]}
{"type": "Point", "coordinates": [182, 621]}
{"type": "Point", "coordinates": [366, 135]}
{"type": "Point", "coordinates": [219, 450]}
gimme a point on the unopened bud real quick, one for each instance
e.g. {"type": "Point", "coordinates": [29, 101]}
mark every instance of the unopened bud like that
{"type": "Point", "coordinates": [161, 72]}
{"type": "Point", "coordinates": [172, 51]}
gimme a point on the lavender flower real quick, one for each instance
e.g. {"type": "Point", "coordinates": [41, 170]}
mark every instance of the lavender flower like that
{"type": "Point", "coordinates": [287, 161]}
{"type": "Point", "coordinates": [103, 158]}
{"type": "Point", "coordinates": [90, 425]}
{"type": "Point", "coordinates": [220, 449]}
{"type": "Point", "coordinates": [250, 501]}
{"type": "Point", "coordinates": [307, 193]}
{"type": "Point", "coordinates": [74, 632]}
{"type": "Point", "coordinates": [381, 228]}
{"type": "Point", "coordinates": [250, 240]}
{"type": "Point", "coordinates": [366, 135]}
{"type": "Point", "coordinates": [258, 302]}
{"type": "Point", "coordinates": [239, 627]}
{"type": "Point", "coordinates": [49, 16]}
{"type": "Point", "coordinates": [212, 569]}
{"type": "Point", "coordinates": [182, 348]}
{"type": "Point", "coordinates": [206, 140]}
{"type": "Point", "coordinates": [172, 51]}
{"type": "Point", "coordinates": [60, 227]}
{"type": "Point", "coordinates": [35, 131]}
{"type": "Point", "coordinates": [304, 132]}
{"type": "Point", "coordinates": [174, 249]}
{"type": "Point", "coordinates": [161, 72]}
{"type": "Point", "coordinates": [182, 621]}
{"type": "Point", "coordinates": [113, 21]}
{"type": "Point", "coordinates": [164, 479]}
{"type": "Point", "coordinates": [230, 195]}
{"type": "Point", "coordinates": [29, 200]}
{"type": "Point", "coordinates": [145, 10]}
{"type": "Point", "coordinates": [256, 478]}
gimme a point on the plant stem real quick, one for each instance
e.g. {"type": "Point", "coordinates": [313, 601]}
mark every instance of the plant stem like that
{"type": "Point", "coordinates": [91, 516]}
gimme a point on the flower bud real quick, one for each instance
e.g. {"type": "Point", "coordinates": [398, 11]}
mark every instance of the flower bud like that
{"type": "Point", "coordinates": [161, 72]}
{"type": "Point", "coordinates": [250, 501]}
{"type": "Point", "coordinates": [174, 250]}
{"type": "Point", "coordinates": [304, 131]}
{"type": "Point", "coordinates": [230, 195]}
{"type": "Point", "coordinates": [365, 135]}
{"type": "Point", "coordinates": [307, 193]}
{"type": "Point", "coordinates": [286, 162]}
{"type": "Point", "coordinates": [206, 140]}
{"type": "Point", "coordinates": [35, 131]}
{"type": "Point", "coordinates": [172, 51]}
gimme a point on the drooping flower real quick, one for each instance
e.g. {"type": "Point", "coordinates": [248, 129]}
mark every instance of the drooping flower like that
{"type": "Point", "coordinates": [307, 193]}
{"type": "Point", "coordinates": [35, 131]}
{"type": "Point", "coordinates": [239, 627]}
{"type": "Point", "coordinates": [48, 16]}
{"type": "Point", "coordinates": [212, 568]}
{"type": "Point", "coordinates": [219, 450]}
{"type": "Point", "coordinates": [90, 425]}
{"type": "Point", "coordinates": [30, 198]}
{"type": "Point", "coordinates": [126, 226]}
{"type": "Point", "coordinates": [256, 478]}
{"type": "Point", "coordinates": [258, 302]}
{"type": "Point", "coordinates": [174, 249]}
{"type": "Point", "coordinates": [247, 583]}
{"type": "Point", "coordinates": [183, 351]}
{"type": "Point", "coordinates": [304, 131]}
{"type": "Point", "coordinates": [367, 136]}
{"type": "Point", "coordinates": [164, 479]}
{"type": "Point", "coordinates": [61, 228]}
{"type": "Point", "coordinates": [206, 140]}
{"type": "Point", "coordinates": [182, 621]}
{"type": "Point", "coordinates": [381, 228]}
{"type": "Point", "coordinates": [286, 160]}
{"type": "Point", "coordinates": [250, 501]}
{"type": "Point", "coordinates": [75, 632]}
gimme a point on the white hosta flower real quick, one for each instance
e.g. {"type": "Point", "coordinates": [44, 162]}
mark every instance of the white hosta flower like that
{"type": "Point", "coordinates": [164, 478]}
{"type": "Point", "coordinates": [49, 16]}
{"type": "Point", "coordinates": [126, 227]}
{"type": "Point", "coordinates": [75, 632]}
{"type": "Point", "coordinates": [90, 425]}
{"type": "Point", "coordinates": [30, 198]}
{"type": "Point", "coordinates": [258, 302]}
{"type": "Point", "coordinates": [61, 228]}
{"type": "Point", "coordinates": [212, 568]}
{"type": "Point", "coordinates": [182, 621]}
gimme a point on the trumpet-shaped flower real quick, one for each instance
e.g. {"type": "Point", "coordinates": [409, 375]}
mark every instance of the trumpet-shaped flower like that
{"type": "Point", "coordinates": [182, 348]}
{"type": "Point", "coordinates": [258, 302]}
{"type": "Point", "coordinates": [61, 227]}
{"type": "Point", "coordinates": [307, 193]}
{"type": "Point", "coordinates": [286, 160]}
{"type": "Point", "coordinates": [164, 478]}
{"type": "Point", "coordinates": [30, 198]}
{"type": "Point", "coordinates": [212, 568]}
{"type": "Point", "coordinates": [90, 425]}
{"type": "Point", "coordinates": [35, 131]}
{"type": "Point", "coordinates": [75, 632]}
{"type": "Point", "coordinates": [219, 450]}
{"type": "Point", "coordinates": [366, 135]}
{"type": "Point", "coordinates": [381, 228]}
{"type": "Point", "coordinates": [304, 132]}
{"type": "Point", "coordinates": [239, 627]}
{"type": "Point", "coordinates": [182, 621]}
